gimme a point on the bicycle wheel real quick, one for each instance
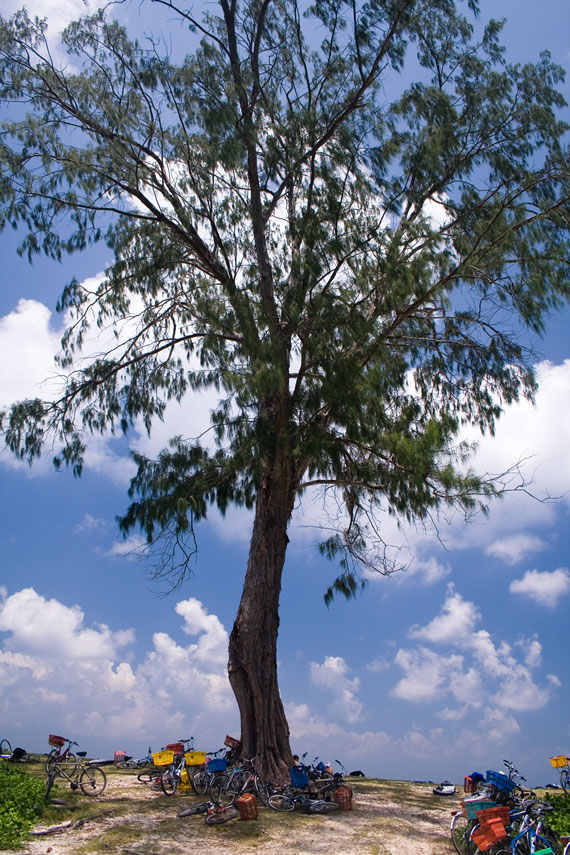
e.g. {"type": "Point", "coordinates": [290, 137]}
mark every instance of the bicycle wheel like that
{"type": "Point", "coordinates": [169, 782]}
{"type": "Point", "coordinates": [460, 832]}
{"type": "Point", "coordinates": [200, 782]}
{"type": "Point", "coordinates": [5, 747]}
{"type": "Point", "coordinates": [221, 814]}
{"type": "Point", "coordinates": [565, 780]}
{"type": "Point", "coordinates": [261, 790]}
{"type": "Point", "coordinates": [49, 783]}
{"type": "Point", "coordinates": [280, 802]}
{"type": "Point", "coordinates": [546, 837]}
{"type": "Point", "coordinates": [196, 809]}
{"type": "Point", "coordinates": [92, 781]}
{"type": "Point", "coordinates": [321, 806]}
{"type": "Point", "coordinates": [148, 776]}
{"type": "Point", "coordinates": [222, 790]}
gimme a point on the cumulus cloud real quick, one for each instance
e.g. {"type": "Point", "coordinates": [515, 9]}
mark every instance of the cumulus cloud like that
{"type": "Point", "coordinates": [545, 588]}
{"type": "Point", "coordinates": [474, 670]}
{"type": "Point", "coordinates": [52, 660]}
{"type": "Point", "coordinates": [332, 675]}
{"type": "Point", "coordinates": [59, 13]}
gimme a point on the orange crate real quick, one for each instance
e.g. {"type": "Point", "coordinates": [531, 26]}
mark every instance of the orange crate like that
{"type": "Point", "coordinates": [487, 834]}
{"type": "Point", "coordinates": [56, 741]}
{"type": "Point", "coordinates": [501, 812]}
{"type": "Point", "coordinates": [560, 761]}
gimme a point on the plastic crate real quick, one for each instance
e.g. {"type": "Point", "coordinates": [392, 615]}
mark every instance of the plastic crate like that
{"type": "Point", "coordinates": [231, 742]}
{"type": "Point", "coordinates": [247, 806]}
{"type": "Point", "coordinates": [177, 747]}
{"type": "Point", "coordinates": [56, 741]}
{"type": "Point", "coordinates": [119, 757]}
{"type": "Point", "coordinates": [501, 812]}
{"type": "Point", "coordinates": [195, 758]}
{"type": "Point", "coordinates": [343, 798]}
{"type": "Point", "coordinates": [486, 835]}
{"type": "Point", "coordinates": [163, 758]}
{"type": "Point", "coordinates": [557, 762]}
{"type": "Point", "coordinates": [501, 782]}
{"type": "Point", "coordinates": [547, 851]}
{"type": "Point", "coordinates": [469, 785]}
{"type": "Point", "coordinates": [217, 764]}
{"type": "Point", "coordinates": [470, 807]}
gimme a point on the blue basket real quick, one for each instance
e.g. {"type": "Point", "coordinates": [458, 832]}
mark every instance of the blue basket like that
{"type": "Point", "coordinates": [217, 764]}
{"type": "Point", "coordinates": [501, 782]}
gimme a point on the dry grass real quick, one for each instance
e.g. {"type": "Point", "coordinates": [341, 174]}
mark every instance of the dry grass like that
{"type": "Point", "coordinates": [388, 818]}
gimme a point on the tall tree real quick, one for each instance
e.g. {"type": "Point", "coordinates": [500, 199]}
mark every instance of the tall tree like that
{"type": "Point", "coordinates": [338, 215]}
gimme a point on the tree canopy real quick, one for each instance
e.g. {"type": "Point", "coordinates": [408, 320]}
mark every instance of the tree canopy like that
{"type": "Point", "coordinates": [342, 215]}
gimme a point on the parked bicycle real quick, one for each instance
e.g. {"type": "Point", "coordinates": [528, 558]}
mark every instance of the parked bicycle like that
{"type": "Point", "coordinates": [215, 812]}
{"type": "Point", "coordinates": [227, 786]}
{"type": "Point", "coordinates": [131, 763]}
{"type": "Point", "coordinates": [301, 801]}
{"type": "Point", "coordinates": [5, 748]}
{"type": "Point", "coordinates": [214, 765]}
{"type": "Point", "coordinates": [562, 765]}
{"type": "Point", "coordinates": [172, 775]}
{"type": "Point", "coordinates": [62, 756]}
{"type": "Point", "coordinates": [86, 776]}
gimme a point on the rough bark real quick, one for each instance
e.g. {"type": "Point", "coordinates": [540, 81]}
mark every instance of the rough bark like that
{"type": "Point", "coordinates": [253, 642]}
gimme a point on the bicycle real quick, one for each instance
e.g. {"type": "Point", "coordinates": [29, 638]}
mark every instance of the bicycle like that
{"type": "Point", "coordinates": [88, 777]}
{"type": "Point", "coordinates": [215, 812]}
{"type": "Point", "coordinates": [562, 765]}
{"type": "Point", "coordinates": [289, 802]}
{"type": "Point", "coordinates": [214, 765]}
{"type": "Point", "coordinates": [5, 748]}
{"type": "Point", "coordinates": [131, 763]}
{"type": "Point", "coordinates": [533, 834]}
{"type": "Point", "coordinates": [63, 758]}
{"type": "Point", "coordinates": [172, 775]}
{"type": "Point", "coordinates": [226, 787]}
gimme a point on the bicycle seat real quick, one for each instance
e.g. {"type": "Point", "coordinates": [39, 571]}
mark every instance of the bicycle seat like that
{"type": "Point", "coordinates": [81, 753]}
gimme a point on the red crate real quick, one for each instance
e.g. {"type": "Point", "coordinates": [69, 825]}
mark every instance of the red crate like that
{"type": "Point", "coordinates": [119, 757]}
{"type": "Point", "coordinates": [501, 812]}
{"type": "Point", "coordinates": [56, 741]}
{"type": "Point", "coordinates": [486, 835]}
{"type": "Point", "coordinates": [231, 742]}
{"type": "Point", "coordinates": [343, 798]}
{"type": "Point", "coordinates": [177, 747]}
{"type": "Point", "coordinates": [469, 785]}
{"type": "Point", "coordinates": [247, 806]}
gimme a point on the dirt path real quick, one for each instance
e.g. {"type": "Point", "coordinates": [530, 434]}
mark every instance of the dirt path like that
{"type": "Point", "coordinates": [388, 818]}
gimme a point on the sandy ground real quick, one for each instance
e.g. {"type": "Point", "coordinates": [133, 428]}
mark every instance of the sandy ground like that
{"type": "Point", "coordinates": [387, 818]}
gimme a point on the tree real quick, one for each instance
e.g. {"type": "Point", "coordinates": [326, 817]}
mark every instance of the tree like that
{"type": "Point", "coordinates": [346, 253]}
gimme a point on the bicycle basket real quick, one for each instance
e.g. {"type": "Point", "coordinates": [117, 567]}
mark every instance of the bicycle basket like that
{"type": "Point", "coordinates": [217, 764]}
{"type": "Point", "coordinates": [163, 758]}
{"type": "Point", "coordinates": [231, 742]}
{"type": "Point", "coordinates": [195, 758]}
{"type": "Point", "coordinates": [177, 747]}
{"type": "Point", "coordinates": [501, 782]}
{"type": "Point", "coordinates": [56, 741]}
{"type": "Point", "coordinates": [560, 761]}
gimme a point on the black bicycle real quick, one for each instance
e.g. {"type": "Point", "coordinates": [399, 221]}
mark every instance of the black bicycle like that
{"type": "Point", "coordinates": [216, 813]}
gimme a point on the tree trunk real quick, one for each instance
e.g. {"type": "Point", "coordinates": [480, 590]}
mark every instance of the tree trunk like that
{"type": "Point", "coordinates": [253, 642]}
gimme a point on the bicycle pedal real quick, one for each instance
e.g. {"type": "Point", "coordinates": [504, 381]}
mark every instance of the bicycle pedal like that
{"type": "Point", "coordinates": [74, 786]}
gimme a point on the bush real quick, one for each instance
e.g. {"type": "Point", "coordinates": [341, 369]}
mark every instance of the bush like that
{"type": "Point", "coordinates": [21, 804]}
{"type": "Point", "coordinates": [559, 819]}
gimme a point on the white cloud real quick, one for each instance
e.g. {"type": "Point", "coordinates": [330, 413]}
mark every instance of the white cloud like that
{"type": "Point", "coordinates": [545, 588]}
{"type": "Point", "coordinates": [52, 660]}
{"type": "Point", "coordinates": [59, 13]}
{"type": "Point", "coordinates": [514, 548]}
{"type": "Point", "coordinates": [457, 619]}
{"type": "Point", "coordinates": [333, 676]}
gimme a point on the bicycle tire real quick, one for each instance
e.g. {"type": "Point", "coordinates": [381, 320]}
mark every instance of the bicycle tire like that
{"type": "Point", "coordinates": [261, 790]}
{"type": "Point", "coordinates": [200, 783]}
{"type": "Point", "coordinates": [168, 782]}
{"type": "Point", "coordinates": [460, 833]}
{"type": "Point", "coordinates": [92, 781]}
{"type": "Point", "coordinates": [550, 838]}
{"type": "Point", "coordinates": [322, 806]}
{"type": "Point", "coordinates": [222, 790]}
{"type": "Point", "coordinates": [148, 776]}
{"type": "Point", "coordinates": [5, 747]}
{"type": "Point", "coordinates": [195, 809]}
{"type": "Point", "coordinates": [281, 802]}
{"type": "Point", "coordinates": [565, 780]}
{"type": "Point", "coordinates": [221, 815]}
{"type": "Point", "coordinates": [49, 784]}
{"type": "Point", "coordinates": [69, 763]}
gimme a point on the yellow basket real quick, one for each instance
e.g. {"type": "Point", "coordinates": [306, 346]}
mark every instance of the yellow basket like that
{"type": "Point", "coordinates": [163, 758]}
{"type": "Point", "coordinates": [195, 758]}
{"type": "Point", "coordinates": [557, 762]}
{"type": "Point", "coordinates": [184, 781]}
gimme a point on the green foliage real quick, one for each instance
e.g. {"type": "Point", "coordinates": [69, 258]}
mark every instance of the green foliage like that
{"type": "Point", "coordinates": [349, 259]}
{"type": "Point", "coordinates": [559, 819]}
{"type": "Point", "coordinates": [21, 804]}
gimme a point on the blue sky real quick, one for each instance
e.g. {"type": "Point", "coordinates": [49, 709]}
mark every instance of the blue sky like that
{"type": "Point", "coordinates": [450, 667]}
